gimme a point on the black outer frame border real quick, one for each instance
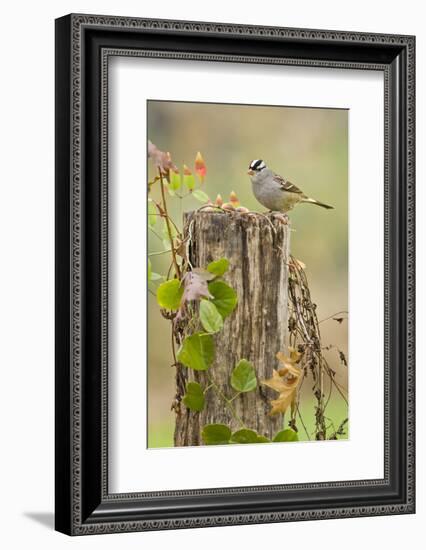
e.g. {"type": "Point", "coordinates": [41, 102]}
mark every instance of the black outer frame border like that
{"type": "Point", "coordinates": [82, 503]}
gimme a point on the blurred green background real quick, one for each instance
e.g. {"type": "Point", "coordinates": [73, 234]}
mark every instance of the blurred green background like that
{"type": "Point", "coordinates": [308, 146]}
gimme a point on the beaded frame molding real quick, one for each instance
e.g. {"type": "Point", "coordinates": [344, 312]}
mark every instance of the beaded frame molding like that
{"type": "Point", "coordinates": [84, 43]}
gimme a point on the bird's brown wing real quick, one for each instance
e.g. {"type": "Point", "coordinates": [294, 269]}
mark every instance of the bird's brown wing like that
{"type": "Point", "coordinates": [287, 185]}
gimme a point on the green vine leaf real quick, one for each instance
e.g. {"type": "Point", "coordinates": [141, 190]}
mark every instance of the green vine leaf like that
{"type": "Point", "coordinates": [218, 267]}
{"type": "Point", "coordinates": [210, 318]}
{"type": "Point", "coordinates": [200, 195]}
{"type": "Point", "coordinates": [244, 436]}
{"type": "Point", "coordinates": [224, 297]}
{"type": "Point", "coordinates": [216, 434]}
{"type": "Point", "coordinates": [197, 351]}
{"type": "Point", "coordinates": [243, 377]}
{"type": "Point", "coordinates": [169, 294]}
{"type": "Point", "coordinates": [152, 213]}
{"type": "Point", "coordinates": [286, 435]}
{"type": "Point", "coordinates": [194, 397]}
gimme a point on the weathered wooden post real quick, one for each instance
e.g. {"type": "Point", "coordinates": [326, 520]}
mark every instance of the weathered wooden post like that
{"type": "Point", "coordinates": [257, 248]}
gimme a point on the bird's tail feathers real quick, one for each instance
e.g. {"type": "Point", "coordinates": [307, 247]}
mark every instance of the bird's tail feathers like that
{"type": "Point", "coordinates": [318, 203]}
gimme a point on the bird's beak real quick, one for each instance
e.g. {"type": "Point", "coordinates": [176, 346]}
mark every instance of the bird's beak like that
{"type": "Point", "coordinates": [250, 172]}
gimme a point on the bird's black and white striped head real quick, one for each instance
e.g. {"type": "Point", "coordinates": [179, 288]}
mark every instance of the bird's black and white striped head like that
{"type": "Point", "coordinates": [257, 165]}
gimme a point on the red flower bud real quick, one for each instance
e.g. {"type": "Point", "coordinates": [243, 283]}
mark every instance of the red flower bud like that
{"type": "Point", "coordinates": [200, 166]}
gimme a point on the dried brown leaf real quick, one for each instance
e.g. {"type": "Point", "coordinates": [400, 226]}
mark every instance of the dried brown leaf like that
{"type": "Point", "coordinates": [285, 382]}
{"type": "Point", "coordinates": [195, 285]}
{"type": "Point", "coordinates": [161, 160]}
{"type": "Point", "coordinates": [295, 356]}
{"type": "Point", "coordinates": [277, 382]}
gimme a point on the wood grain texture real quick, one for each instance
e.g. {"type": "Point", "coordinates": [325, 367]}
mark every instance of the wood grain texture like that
{"type": "Point", "coordinates": [257, 249]}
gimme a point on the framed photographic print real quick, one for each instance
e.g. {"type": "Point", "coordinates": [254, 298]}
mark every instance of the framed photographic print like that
{"type": "Point", "coordinates": [234, 274]}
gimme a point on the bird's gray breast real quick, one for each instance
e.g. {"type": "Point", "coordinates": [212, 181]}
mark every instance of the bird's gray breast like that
{"type": "Point", "coordinates": [271, 195]}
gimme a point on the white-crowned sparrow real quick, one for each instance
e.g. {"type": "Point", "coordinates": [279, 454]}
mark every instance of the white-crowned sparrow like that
{"type": "Point", "coordinates": [274, 192]}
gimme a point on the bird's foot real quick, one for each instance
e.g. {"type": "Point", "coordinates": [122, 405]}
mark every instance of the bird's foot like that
{"type": "Point", "coordinates": [280, 216]}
